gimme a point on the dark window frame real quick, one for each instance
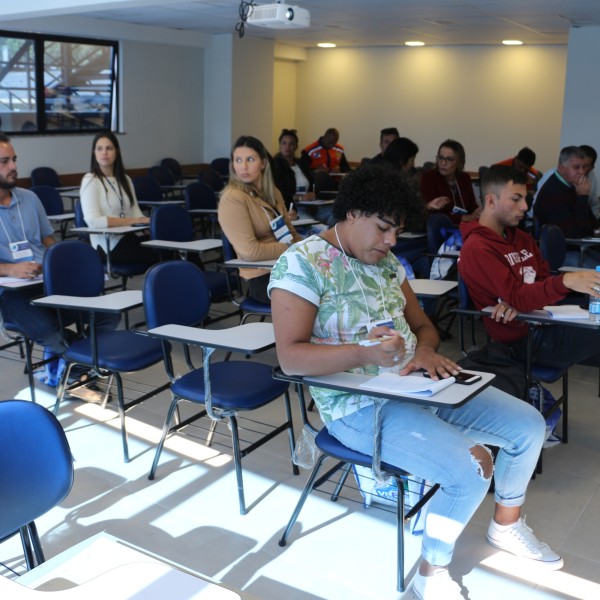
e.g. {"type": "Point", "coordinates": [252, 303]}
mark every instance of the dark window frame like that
{"type": "Point", "coordinates": [41, 112]}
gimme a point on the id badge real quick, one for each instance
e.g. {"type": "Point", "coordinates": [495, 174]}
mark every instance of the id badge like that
{"type": "Point", "coordinates": [280, 230]}
{"type": "Point", "coordinates": [458, 210]}
{"type": "Point", "coordinates": [21, 250]}
{"type": "Point", "coordinates": [387, 323]}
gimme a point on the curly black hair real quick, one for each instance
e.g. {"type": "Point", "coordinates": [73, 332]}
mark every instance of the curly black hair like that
{"type": "Point", "coordinates": [376, 189]}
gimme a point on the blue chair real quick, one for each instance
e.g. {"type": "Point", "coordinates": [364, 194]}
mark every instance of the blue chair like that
{"type": "Point", "coordinates": [147, 189]}
{"type": "Point", "coordinates": [212, 179]}
{"type": "Point", "coordinates": [115, 269]}
{"type": "Point", "coordinates": [553, 246]}
{"type": "Point", "coordinates": [172, 222]}
{"type": "Point", "coordinates": [73, 268]}
{"type": "Point", "coordinates": [166, 180]}
{"type": "Point", "coordinates": [221, 166]}
{"type": "Point", "coordinates": [330, 447]}
{"type": "Point", "coordinates": [53, 205]}
{"type": "Point", "coordinates": [199, 195]}
{"type": "Point", "coordinates": [176, 293]}
{"type": "Point", "coordinates": [248, 306]}
{"type": "Point", "coordinates": [36, 472]}
{"type": "Point", "coordinates": [45, 176]}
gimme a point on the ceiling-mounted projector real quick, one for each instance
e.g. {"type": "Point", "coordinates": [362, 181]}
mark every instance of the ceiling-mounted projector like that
{"type": "Point", "coordinates": [279, 16]}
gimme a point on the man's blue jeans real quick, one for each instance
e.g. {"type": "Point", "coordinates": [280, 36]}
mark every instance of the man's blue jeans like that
{"type": "Point", "coordinates": [434, 443]}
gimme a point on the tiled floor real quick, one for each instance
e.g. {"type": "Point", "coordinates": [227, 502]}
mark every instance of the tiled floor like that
{"type": "Point", "coordinates": [189, 514]}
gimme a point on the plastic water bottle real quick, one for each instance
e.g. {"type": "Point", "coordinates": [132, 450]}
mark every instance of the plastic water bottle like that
{"type": "Point", "coordinates": [594, 307]}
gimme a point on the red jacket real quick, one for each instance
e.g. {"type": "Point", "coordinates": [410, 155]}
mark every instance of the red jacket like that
{"type": "Point", "coordinates": [511, 269]}
{"type": "Point", "coordinates": [434, 185]}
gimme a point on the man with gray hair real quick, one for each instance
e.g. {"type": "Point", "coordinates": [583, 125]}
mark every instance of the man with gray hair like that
{"type": "Point", "coordinates": [564, 201]}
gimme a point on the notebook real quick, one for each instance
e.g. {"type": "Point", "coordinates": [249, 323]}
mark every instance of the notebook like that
{"type": "Point", "coordinates": [406, 385]}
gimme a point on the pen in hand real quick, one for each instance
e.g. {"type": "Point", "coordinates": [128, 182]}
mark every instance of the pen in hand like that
{"type": "Point", "coordinates": [375, 341]}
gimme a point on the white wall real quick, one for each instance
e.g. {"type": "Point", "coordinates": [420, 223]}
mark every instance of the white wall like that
{"type": "Point", "coordinates": [494, 100]}
{"type": "Point", "coordinates": [581, 117]}
{"type": "Point", "coordinates": [284, 100]}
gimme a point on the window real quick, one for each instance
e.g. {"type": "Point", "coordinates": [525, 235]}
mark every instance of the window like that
{"type": "Point", "coordinates": [52, 84]}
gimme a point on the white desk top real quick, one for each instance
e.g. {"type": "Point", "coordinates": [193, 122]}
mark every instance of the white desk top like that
{"type": "Point", "coordinates": [250, 264]}
{"type": "Point", "coordinates": [62, 217]}
{"type": "Point", "coordinates": [203, 211]}
{"type": "Point", "coordinates": [13, 282]}
{"type": "Point", "coordinates": [301, 222]}
{"type": "Point", "coordinates": [115, 302]}
{"type": "Point", "coordinates": [313, 202]}
{"type": "Point", "coordinates": [584, 240]}
{"type": "Point", "coordinates": [409, 235]}
{"type": "Point", "coordinates": [542, 316]}
{"type": "Point", "coordinates": [110, 230]}
{"type": "Point", "coordinates": [160, 202]}
{"type": "Point", "coordinates": [192, 246]}
{"type": "Point", "coordinates": [431, 288]}
{"type": "Point", "coordinates": [454, 395]}
{"type": "Point", "coordinates": [249, 338]}
{"type": "Point", "coordinates": [69, 192]}
{"type": "Point", "coordinates": [105, 567]}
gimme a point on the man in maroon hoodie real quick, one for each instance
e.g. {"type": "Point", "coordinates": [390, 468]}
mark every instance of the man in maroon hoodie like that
{"type": "Point", "coordinates": [502, 267]}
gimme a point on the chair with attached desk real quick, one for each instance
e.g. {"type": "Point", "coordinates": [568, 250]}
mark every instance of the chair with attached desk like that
{"type": "Point", "coordinates": [45, 176]}
{"type": "Point", "coordinates": [36, 472]}
{"type": "Point", "coordinates": [175, 293]}
{"type": "Point", "coordinates": [330, 447]}
{"type": "Point", "coordinates": [74, 269]}
{"type": "Point", "coordinates": [166, 180]}
{"type": "Point", "coordinates": [212, 179]}
{"type": "Point", "coordinates": [147, 189]}
{"type": "Point", "coordinates": [53, 205]}
{"type": "Point", "coordinates": [117, 269]}
{"type": "Point", "coordinates": [200, 196]}
{"type": "Point", "coordinates": [534, 372]}
{"type": "Point", "coordinates": [248, 306]}
{"type": "Point", "coordinates": [439, 228]}
{"type": "Point", "coordinates": [221, 166]}
{"type": "Point", "coordinates": [173, 222]}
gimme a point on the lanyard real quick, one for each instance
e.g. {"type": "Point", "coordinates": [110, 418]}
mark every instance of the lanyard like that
{"type": "Point", "coordinates": [21, 219]}
{"type": "Point", "coordinates": [119, 196]}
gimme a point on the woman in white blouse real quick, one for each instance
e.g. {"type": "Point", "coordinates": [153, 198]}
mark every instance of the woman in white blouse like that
{"type": "Point", "coordinates": [108, 200]}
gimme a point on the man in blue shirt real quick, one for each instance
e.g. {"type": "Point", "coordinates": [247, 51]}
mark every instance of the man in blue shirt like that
{"type": "Point", "coordinates": [25, 233]}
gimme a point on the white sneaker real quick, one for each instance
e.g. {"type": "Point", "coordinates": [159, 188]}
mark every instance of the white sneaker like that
{"type": "Point", "coordinates": [439, 586]}
{"type": "Point", "coordinates": [518, 539]}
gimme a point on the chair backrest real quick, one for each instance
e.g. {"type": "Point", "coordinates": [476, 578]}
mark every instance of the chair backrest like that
{"type": "Point", "coordinates": [45, 176]}
{"type": "Point", "coordinates": [50, 199]}
{"type": "Point", "coordinates": [73, 268]}
{"type": "Point", "coordinates": [171, 222]}
{"type": "Point", "coordinates": [147, 188]}
{"type": "Point", "coordinates": [435, 236]}
{"type": "Point", "coordinates": [553, 246]}
{"type": "Point", "coordinates": [213, 179]}
{"type": "Point", "coordinates": [323, 183]}
{"type": "Point", "coordinates": [162, 175]}
{"type": "Point", "coordinates": [173, 165]}
{"type": "Point", "coordinates": [221, 166]}
{"type": "Point", "coordinates": [228, 251]}
{"type": "Point", "coordinates": [175, 293]}
{"type": "Point", "coordinates": [199, 195]}
{"type": "Point", "coordinates": [36, 466]}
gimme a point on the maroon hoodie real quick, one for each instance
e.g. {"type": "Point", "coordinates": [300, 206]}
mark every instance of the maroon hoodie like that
{"type": "Point", "coordinates": [510, 268]}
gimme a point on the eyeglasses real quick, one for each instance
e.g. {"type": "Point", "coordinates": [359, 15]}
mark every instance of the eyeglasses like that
{"type": "Point", "coordinates": [447, 159]}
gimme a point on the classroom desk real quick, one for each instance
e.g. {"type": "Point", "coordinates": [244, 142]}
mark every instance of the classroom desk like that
{"type": "Point", "coordinates": [314, 202]}
{"type": "Point", "coordinates": [13, 282]}
{"type": "Point", "coordinates": [108, 232]}
{"type": "Point", "coordinates": [203, 211]}
{"type": "Point", "coordinates": [62, 220]}
{"type": "Point", "coordinates": [116, 302]}
{"type": "Point", "coordinates": [250, 264]}
{"type": "Point", "coordinates": [305, 222]}
{"type": "Point", "coordinates": [198, 246]}
{"type": "Point", "coordinates": [431, 288]}
{"type": "Point", "coordinates": [584, 244]}
{"type": "Point", "coordinates": [454, 395]}
{"type": "Point", "coordinates": [104, 566]}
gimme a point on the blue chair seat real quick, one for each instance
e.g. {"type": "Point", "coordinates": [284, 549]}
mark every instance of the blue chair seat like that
{"type": "Point", "coordinates": [217, 283]}
{"type": "Point", "coordinates": [257, 390]}
{"type": "Point", "coordinates": [547, 374]}
{"type": "Point", "coordinates": [118, 351]}
{"type": "Point", "coordinates": [250, 305]}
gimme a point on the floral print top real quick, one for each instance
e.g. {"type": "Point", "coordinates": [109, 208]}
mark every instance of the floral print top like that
{"type": "Point", "coordinates": [349, 296]}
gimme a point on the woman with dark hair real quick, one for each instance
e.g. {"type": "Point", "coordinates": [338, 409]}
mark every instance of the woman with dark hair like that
{"type": "Point", "coordinates": [108, 200]}
{"type": "Point", "coordinates": [292, 178]}
{"type": "Point", "coordinates": [447, 188]}
{"type": "Point", "coordinates": [334, 291]}
{"type": "Point", "coordinates": [401, 153]}
{"type": "Point", "coordinates": [252, 213]}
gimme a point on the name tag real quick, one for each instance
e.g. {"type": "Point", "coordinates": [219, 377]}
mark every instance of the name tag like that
{"type": "Point", "coordinates": [21, 250]}
{"type": "Point", "coordinates": [280, 230]}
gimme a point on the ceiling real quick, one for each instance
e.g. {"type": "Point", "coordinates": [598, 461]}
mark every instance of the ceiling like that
{"type": "Point", "coordinates": [349, 22]}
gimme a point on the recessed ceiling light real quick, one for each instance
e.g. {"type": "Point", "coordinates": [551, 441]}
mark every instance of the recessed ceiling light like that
{"type": "Point", "coordinates": [512, 42]}
{"type": "Point", "coordinates": [326, 45]}
{"type": "Point", "coordinates": [414, 43]}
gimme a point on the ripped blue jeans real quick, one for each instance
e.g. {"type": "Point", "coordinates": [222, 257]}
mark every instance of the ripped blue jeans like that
{"type": "Point", "coordinates": [434, 444]}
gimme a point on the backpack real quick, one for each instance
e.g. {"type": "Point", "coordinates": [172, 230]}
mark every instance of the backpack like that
{"type": "Point", "coordinates": [441, 267]}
